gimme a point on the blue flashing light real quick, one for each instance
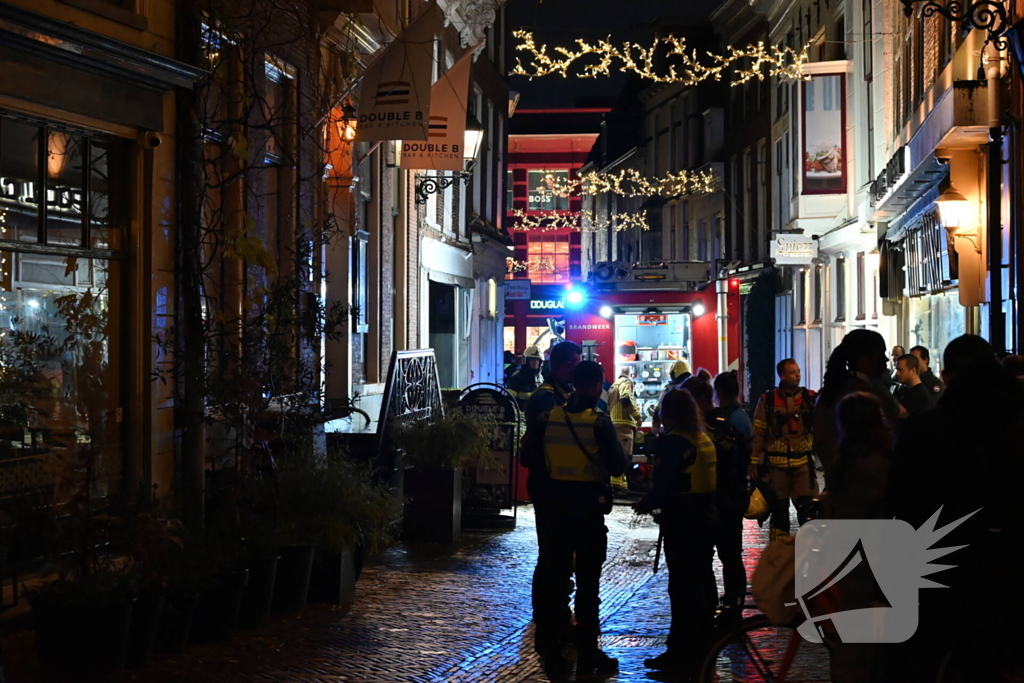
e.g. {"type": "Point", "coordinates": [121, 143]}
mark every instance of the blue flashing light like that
{"type": "Point", "coordinates": [575, 297]}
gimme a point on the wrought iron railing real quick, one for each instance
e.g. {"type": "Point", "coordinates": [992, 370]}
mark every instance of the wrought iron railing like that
{"type": "Point", "coordinates": [412, 392]}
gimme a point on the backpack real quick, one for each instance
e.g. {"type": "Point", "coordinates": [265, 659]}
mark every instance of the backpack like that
{"type": "Point", "coordinates": [733, 464]}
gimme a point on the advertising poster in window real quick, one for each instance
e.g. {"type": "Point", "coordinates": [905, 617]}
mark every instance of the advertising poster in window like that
{"type": "Point", "coordinates": [824, 156]}
{"type": "Point", "coordinates": [544, 191]}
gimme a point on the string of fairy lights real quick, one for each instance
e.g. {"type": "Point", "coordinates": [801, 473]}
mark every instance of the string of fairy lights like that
{"type": "Point", "coordinates": [538, 263]}
{"type": "Point", "coordinates": [628, 182]}
{"type": "Point", "coordinates": [580, 221]}
{"type": "Point", "coordinates": [758, 61]}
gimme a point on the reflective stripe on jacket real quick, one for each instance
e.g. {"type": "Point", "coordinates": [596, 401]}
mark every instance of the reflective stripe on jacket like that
{"type": "Point", "coordinates": [566, 461]}
{"type": "Point", "coordinates": [783, 422]}
{"type": "Point", "coordinates": [702, 475]}
{"type": "Point", "coordinates": [623, 410]}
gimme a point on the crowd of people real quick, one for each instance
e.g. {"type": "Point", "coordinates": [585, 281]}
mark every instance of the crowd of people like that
{"type": "Point", "coordinates": [884, 441]}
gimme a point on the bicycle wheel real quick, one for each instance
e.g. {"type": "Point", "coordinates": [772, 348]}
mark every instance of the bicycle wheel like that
{"type": "Point", "coordinates": [756, 651]}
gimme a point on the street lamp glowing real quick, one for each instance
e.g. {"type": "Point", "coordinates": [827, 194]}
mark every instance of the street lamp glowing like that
{"type": "Point", "coordinates": [952, 208]}
{"type": "Point", "coordinates": [606, 311]}
{"type": "Point", "coordinates": [873, 260]}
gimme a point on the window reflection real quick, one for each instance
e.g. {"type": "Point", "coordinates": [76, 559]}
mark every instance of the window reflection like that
{"type": "Point", "coordinates": [58, 386]}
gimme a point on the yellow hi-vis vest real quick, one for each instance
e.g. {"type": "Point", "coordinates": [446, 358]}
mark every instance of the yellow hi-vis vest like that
{"type": "Point", "coordinates": [565, 460]}
{"type": "Point", "coordinates": [703, 472]}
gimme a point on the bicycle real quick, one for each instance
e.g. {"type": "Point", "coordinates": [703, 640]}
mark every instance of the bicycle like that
{"type": "Point", "coordinates": [757, 650]}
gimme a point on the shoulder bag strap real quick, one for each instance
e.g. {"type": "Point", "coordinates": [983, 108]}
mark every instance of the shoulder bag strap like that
{"type": "Point", "coordinates": [576, 438]}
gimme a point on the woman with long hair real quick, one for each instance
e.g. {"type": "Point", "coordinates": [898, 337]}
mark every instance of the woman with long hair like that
{"type": "Point", "coordinates": [857, 364]}
{"type": "Point", "coordinates": [684, 490]}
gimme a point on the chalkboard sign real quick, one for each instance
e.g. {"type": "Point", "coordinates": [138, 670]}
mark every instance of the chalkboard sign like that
{"type": "Point", "coordinates": [492, 489]}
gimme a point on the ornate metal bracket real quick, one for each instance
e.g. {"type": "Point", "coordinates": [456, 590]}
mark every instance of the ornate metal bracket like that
{"type": "Point", "coordinates": [432, 184]}
{"type": "Point", "coordinates": [987, 15]}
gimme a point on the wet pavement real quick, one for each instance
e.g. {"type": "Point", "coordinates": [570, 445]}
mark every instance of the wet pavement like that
{"type": "Point", "coordinates": [445, 614]}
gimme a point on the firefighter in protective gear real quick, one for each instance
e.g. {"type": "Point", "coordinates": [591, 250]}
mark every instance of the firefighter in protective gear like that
{"type": "Point", "coordinates": [572, 450]}
{"type": "Point", "coordinates": [684, 490]}
{"type": "Point", "coordinates": [625, 416]}
{"type": "Point", "coordinates": [526, 379]}
{"type": "Point", "coordinates": [783, 445]}
{"type": "Point", "coordinates": [679, 373]}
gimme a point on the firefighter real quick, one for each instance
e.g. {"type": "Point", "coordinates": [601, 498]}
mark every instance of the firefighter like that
{"type": "Point", "coordinates": [679, 373]}
{"type": "Point", "coordinates": [685, 485]}
{"type": "Point", "coordinates": [526, 379]}
{"type": "Point", "coordinates": [783, 442]}
{"type": "Point", "coordinates": [572, 451]}
{"type": "Point", "coordinates": [625, 416]}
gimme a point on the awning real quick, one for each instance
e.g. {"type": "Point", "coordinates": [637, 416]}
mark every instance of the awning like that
{"type": "Point", "coordinates": [443, 278]}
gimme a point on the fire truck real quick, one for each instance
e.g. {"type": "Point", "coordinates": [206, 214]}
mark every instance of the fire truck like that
{"type": "Point", "coordinates": [642, 319]}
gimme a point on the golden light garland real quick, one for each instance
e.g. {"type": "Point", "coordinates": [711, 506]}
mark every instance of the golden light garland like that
{"type": "Point", "coordinates": [630, 183]}
{"type": "Point", "coordinates": [537, 263]}
{"type": "Point", "coordinates": [574, 220]}
{"type": "Point", "coordinates": [765, 61]}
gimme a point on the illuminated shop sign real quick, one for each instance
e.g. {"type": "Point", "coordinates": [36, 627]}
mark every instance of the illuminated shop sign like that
{"type": "Point", "coordinates": [25, 193]}
{"type": "Point", "coordinates": [547, 304]}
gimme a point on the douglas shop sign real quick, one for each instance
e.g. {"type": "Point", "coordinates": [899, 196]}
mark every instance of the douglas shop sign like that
{"type": "Point", "coordinates": [547, 304]}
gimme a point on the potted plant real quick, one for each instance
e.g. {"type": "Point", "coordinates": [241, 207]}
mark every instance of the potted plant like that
{"type": "Point", "coordinates": [434, 452]}
{"type": "Point", "coordinates": [360, 516]}
{"type": "Point", "coordinates": [82, 617]}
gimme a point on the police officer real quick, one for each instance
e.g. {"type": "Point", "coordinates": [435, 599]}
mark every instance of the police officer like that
{"type": "Point", "coordinates": [571, 450]}
{"type": "Point", "coordinates": [684, 490]}
{"type": "Point", "coordinates": [526, 379]}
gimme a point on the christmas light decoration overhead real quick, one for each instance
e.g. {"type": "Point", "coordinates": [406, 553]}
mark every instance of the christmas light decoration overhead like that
{"type": "Point", "coordinates": [629, 183]}
{"type": "Point", "coordinates": [580, 221]}
{"type": "Point", "coordinates": [542, 263]}
{"type": "Point", "coordinates": [758, 61]}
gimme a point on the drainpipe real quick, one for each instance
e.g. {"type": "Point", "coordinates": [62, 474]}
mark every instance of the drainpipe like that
{"type": "Point", "coordinates": [722, 289]}
{"type": "Point", "coordinates": [997, 322]}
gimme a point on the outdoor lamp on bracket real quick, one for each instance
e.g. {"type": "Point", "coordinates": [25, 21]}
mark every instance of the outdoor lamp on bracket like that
{"type": "Point", "coordinates": [952, 207]}
{"type": "Point", "coordinates": [348, 123]}
{"type": "Point", "coordinates": [432, 184]}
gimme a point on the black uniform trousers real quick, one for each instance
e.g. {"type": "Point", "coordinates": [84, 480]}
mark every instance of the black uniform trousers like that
{"type": "Point", "coordinates": [689, 539]}
{"type": "Point", "coordinates": [729, 544]}
{"type": "Point", "coordinates": [571, 537]}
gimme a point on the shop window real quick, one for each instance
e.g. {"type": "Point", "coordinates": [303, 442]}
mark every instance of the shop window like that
{"type": "Point", "coordinates": [800, 291]}
{"type": "Point", "coordinates": [861, 285]}
{"type": "Point", "coordinates": [492, 298]}
{"type": "Point", "coordinates": [840, 290]}
{"type": "Point", "coordinates": [548, 258]}
{"type": "Point", "coordinates": [816, 300]}
{"type": "Point", "coordinates": [545, 190]}
{"type": "Point", "coordinates": [60, 308]}
{"type": "Point", "coordinates": [510, 338]}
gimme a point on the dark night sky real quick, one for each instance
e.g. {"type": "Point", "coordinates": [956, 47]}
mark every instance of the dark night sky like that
{"type": "Point", "coordinates": [560, 22]}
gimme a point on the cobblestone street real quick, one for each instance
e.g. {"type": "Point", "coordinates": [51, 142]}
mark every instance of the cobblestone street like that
{"type": "Point", "coordinates": [430, 614]}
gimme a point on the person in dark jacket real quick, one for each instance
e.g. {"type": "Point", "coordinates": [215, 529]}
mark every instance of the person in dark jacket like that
{"type": "Point", "coordinates": [684, 491]}
{"type": "Point", "coordinates": [933, 384]}
{"type": "Point", "coordinates": [963, 459]}
{"type": "Point", "coordinates": [857, 364]}
{"type": "Point", "coordinates": [572, 450]}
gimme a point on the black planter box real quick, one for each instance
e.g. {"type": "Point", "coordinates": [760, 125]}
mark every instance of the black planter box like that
{"type": "Point", "coordinates": [434, 510]}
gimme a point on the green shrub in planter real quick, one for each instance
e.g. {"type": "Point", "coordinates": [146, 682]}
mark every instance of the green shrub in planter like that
{"type": "Point", "coordinates": [457, 439]}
